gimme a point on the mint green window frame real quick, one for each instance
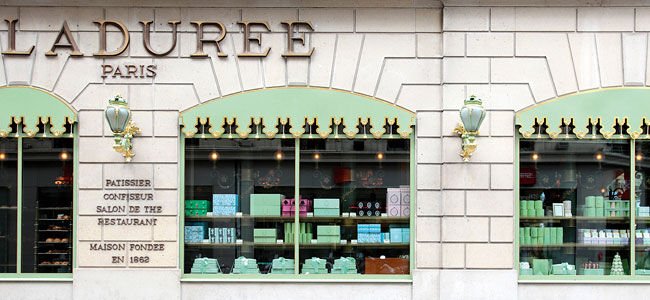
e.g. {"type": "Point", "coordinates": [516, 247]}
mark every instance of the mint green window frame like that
{"type": "Point", "coordinates": [612, 109]}
{"type": "Point", "coordinates": [27, 107]}
{"type": "Point", "coordinates": [287, 105]}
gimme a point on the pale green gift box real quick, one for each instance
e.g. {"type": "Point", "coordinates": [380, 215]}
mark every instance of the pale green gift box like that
{"type": "Point", "coordinates": [523, 204]}
{"type": "Point", "coordinates": [539, 212]}
{"type": "Point", "coordinates": [590, 201]}
{"type": "Point", "coordinates": [538, 204]}
{"type": "Point", "coordinates": [531, 212]}
{"type": "Point", "coordinates": [523, 212]}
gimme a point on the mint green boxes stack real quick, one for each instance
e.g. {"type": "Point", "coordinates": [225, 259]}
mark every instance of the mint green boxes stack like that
{"type": "Point", "coordinates": [345, 265]}
{"type": "Point", "coordinates": [328, 234]}
{"type": "Point", "coordinates": [196, 207]}
{"type": "Point", "coordinates": [264, 235]}
{"type": "Point", "coordinates": [305, 235]}
{"type": "Point", "coordinates": [539, 208]}
{"type": "Point", "coordinates": [594, 206]}
{"type": "Point", "coordinates": [541, 235]}
{"type": "Point", "coordinates": [617, 208]}
{"type": "Point", "coordinates": [314, 265]}
{"type": "Point", "coordinates": [327, 208]}
{"type": "Point", "coordinates": [245, 265]}
{"type": "Point", "coordinates": [205, 265]}
{"type": "Point", "coordinates": [266, 204]}
{"type": "Point", "coordinates": [283, 266]}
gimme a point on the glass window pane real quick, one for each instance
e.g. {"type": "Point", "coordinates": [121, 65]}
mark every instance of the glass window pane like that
{"type": "Point", "coordinates": [8, 204]}
{"type": "Point", "coordinates": [574, 207]}
{"type": "Point", "coordinates": [642, 196]}
{"type": "Point", "coordinates": [363, 178]}
{"type": "Point", "coordinates": [234, 189]}
{"type": "Point", "coordinates": [47, 205]}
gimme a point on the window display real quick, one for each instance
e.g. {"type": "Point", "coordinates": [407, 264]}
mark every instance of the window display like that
{"type": "Point", "coordinates": [352, 206]}
{"type": "Point", "coordinates": [574, 208]}
{"type": "Point", "coordinates": [42, 169]}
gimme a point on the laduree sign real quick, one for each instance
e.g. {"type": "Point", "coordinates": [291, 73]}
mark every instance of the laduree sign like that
{"type": "Point", "coordinates": [147, 71]}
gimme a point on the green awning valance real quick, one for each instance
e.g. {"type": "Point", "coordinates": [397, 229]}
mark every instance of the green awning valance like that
{"type": "Point", "coordinates": [30, 106]}
{"type": "Point", "coordinates": [611, 110]}
{"type": "Point", "coordinates": [297, 107]}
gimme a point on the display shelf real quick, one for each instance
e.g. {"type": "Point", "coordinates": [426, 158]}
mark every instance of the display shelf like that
{"type": "Point", "coordinates": [302, 219]}
{"type": "Point", "coordinates": [8, 207]}
{"type": "Point", "coordinates": [49, 230]}
{"type": "Point", "coordinates": [45, 253]}
{"type": "Point", "coordinates": [573, 245]}
{"type": "Point", "coordinates": [550, 219]}
{"type": "Point", "coordinates": [53, 243]}
{"type": "Point", "coordinates": [54, 208]}
{"type": "Point", "coordinates": [308, 246]}
{"type": "Point", "coordinates": [55, 219]}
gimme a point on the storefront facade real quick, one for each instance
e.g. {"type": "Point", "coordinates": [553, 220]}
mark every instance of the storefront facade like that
{"type": "Point", "coordinates": [347, 101]}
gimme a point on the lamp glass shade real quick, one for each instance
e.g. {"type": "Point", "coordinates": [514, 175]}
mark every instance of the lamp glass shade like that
{"type": "Point", "coordinates": [118, 117]}
{"type": "Point", "coordinates": [472, 114]}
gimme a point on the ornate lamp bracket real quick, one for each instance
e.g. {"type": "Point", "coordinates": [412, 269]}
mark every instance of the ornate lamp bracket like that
{"type": "Point", "coordinates": [118, 116]}
{"type": "Point", "coordinates": [471, 114]}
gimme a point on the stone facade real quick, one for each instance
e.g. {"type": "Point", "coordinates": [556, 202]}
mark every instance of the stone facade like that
{"type": "Point", "coordinates": [422, 55]}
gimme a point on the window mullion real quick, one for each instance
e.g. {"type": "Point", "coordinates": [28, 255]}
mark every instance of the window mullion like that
{"type": "Point", "coordinates": [296, 230]}
{"type": "Point", "coordinates": [19, 204]}
{"type": "Point", "coordinates": [632, 207]}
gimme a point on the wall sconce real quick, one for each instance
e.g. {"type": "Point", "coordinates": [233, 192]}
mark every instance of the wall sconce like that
{"type": "Point", "coordinates": [118, 116]}
{"type": "Point", "coordinates": [472, 114]}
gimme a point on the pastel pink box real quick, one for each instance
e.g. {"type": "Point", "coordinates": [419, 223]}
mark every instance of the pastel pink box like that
{"type": "Point", "coordinates": [288, 207]}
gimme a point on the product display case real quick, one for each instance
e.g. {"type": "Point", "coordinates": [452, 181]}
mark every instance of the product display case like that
{"type": "Point", "coordinates": [8, 204]}
{"type": "Point", "coordinates": [574, 207]}
{"type": "Point", "coordinates": [351, 214]}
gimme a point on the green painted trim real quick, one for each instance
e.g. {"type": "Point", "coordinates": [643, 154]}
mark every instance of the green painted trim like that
{"type": "Point", "coordinates": [306, 103]}
{"type": "Point", "coordinates": [181, 208]}
{"type": "Point", "coordinates": [19, 204]}
{"type": "Point", "coordinates": [296, 195]}
{"type": "Point", "coordinates": [75, 195]}
{"type": "Point", "coordinates": [632, 208]}
{"type": "Point", "coordinates": [413, 204]}
{"type": "Point", "coordinates": [517, 195]}
{"type": "Point", "coordinates": [295, 278]}
{"type": "Point", "coordinates": [33, 104]}
{"type": "Point", "coordinates": [595, 104]}
{"type": "Point", "coordinates": [36, 277]}
{"type": "Point", "coordinates": [580, 278]}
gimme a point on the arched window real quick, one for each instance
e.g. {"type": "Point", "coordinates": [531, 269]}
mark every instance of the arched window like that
{"type": "Point", "coordinates": [297, 181]}
{"type": "Point", "coordinates": [583, 192]}
{"type": "Point", "coordinates": [37, 155]}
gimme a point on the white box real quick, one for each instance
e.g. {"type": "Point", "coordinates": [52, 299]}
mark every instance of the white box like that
{"type": "Point", "coordinates": [405, 195]}
{"type": "Point", "coordinates": [393, 196]}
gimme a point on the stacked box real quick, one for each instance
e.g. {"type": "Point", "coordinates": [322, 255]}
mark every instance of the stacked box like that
{"type": "Point", "coordinates": [196, 207]}
{"type": "Point", "coordinates": [603, 236]}
{"type": "Point", "coordinates": [266, 204]}
{"type": "Point", "coordinates": [195, 232]}
{"type": "Point", "coordinates": [305, 235]}
{"type": "Point", "coordinates": [224, 204]}
{"type": "Point", "coordinates": [289, 207]}
{"type": "Point", "coordinates": [327, 207]}
{"type": "Point", "coordinates": [205, 265]}
{"type": "Point", "coordinates": [617, 208]}
{"type": "Point", "coordinates": [345, 265]}
{"type": "Point", "coordinates": [599, 203]}
{"type": "Point", "coordinates": [328, 234]}
{"type": "Point", "coordinates": [225, 235]}
{"type": "Point", "coordinates": [393, 201]}
{"type": "Point", "coordinates": [643, 211]}
{"type": "Point", "coordinates": [563, 269]}
{"type": "Point", "coordinates": [399, 233]}
{"type": "Point", "coordinates": [245, 265]}
{"type": "Point", "coordinates": [264, 235]}
{"type": "Point", "coordinates": [369, 233]}
{"type": "Point", "coordinates": [369, 209]}
{"type": "Point", "coordinates": [283, 266]}
{"type": "Point", "coordinates": [405, 204]}
{"type": "Point", "coordinates": [540, 235]}
{"type": "Point", "coordinates": [314, 265]}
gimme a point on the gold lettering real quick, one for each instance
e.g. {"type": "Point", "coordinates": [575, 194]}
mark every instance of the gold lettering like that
{"type": "Point", "coordinates": [301, 38]}
{"type": "Point", "coordinates": [12, 40]}
{"type": "Point", "coordinates": [146, 37]}
{"type": "Point", "coordinates": [102, 38]}
{"type": "Point", "coordinates": [106, 69]}
{"type": "Point", "coordinates": [247, 39]}
{"type": "Point", "coordinates": [118, 72]}
{"type": "Point", "coordinates": [65, 30]}
{"type": "Point", "coordinates": [151, 70]}
{"type": "Point", "coordinates": [200, 40]}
